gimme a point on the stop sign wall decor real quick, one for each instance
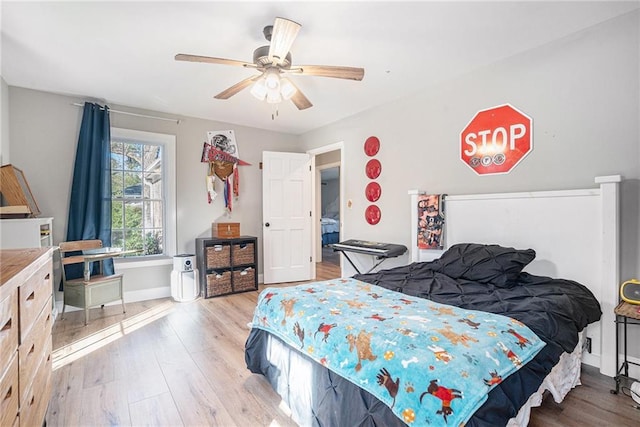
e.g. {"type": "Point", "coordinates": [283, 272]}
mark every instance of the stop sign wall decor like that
{"type": "Point", "coordinates": [496, 140]}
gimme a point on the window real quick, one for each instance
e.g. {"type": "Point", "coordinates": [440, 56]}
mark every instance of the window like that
{"type": "Point", "coordinates": [142, 185]}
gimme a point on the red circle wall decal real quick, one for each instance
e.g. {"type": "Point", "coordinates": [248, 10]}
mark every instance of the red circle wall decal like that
{"type": "Point", "coordinates": [373, 191]}
{"type": "Point", "coordinates": [372, 214]}
{"type": "Point", "coordinates": [373, 168]}
{"type": "Point", "coordinates": [371, 146]}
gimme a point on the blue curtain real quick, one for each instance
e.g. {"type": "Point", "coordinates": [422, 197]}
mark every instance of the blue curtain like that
{"type": "Point", "coordinates": [90, 205]}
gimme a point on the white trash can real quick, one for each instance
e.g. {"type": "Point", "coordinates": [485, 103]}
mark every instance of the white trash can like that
{"type": "Point", "coordinates": [184, 278]}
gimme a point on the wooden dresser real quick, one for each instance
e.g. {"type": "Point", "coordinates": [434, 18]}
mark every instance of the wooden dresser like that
{"type": "Point", "coordinates": [25, 335]}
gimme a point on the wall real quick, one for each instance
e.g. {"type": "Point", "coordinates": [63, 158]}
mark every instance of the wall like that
{"type": "Point", "coordinates": [4, 123]}
{"type": "Point", "coordinates": [44, 134]}
{"type": "Point", "coordinates": [583, 95]}
{"type": "Point", "coordinates": [328, 158]}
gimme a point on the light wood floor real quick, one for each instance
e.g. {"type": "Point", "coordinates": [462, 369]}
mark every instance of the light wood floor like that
{"type": "Point", "coordinates": [182, 364]}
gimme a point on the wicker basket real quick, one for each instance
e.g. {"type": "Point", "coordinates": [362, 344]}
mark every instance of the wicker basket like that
{"type": "Point", "coordinates": [244, 280]}
{"type": "Point", "coordinates": [243, 253]}
{"type": "Point", "coordinates": [218, 283]}
{"type": "Point", "coordinates": [218, 256]}
{"type": "Point", "coordinates": [623, 309]}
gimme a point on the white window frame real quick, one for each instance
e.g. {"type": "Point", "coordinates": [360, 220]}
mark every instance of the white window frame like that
{"type": "Point", "coordinates": [168, 143]}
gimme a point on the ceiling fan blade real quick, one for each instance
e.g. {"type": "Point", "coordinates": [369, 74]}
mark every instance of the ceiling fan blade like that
{"type": "Point", "coordinates": [282, 37]}
{"type": "Point", "coordinates": [228, 93]}
{"type": "Point", "coordinates": [350, 73]}
{"type": "Point", "coordinates": [212, 60]}
{"type": "Point", "coordinates": [299, 100]}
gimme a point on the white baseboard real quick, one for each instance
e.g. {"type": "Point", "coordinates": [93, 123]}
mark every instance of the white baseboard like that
{"type": "Point", "coordinates": [131, 296]}
{"type": "Point", "coordinates": [147, 294]}
{"type": "Point", "coordinates": [591, 359]}
{"type": "Point", "coordinates": [594, 360]}
{"type": "Point", "coordinates": [634, 370]}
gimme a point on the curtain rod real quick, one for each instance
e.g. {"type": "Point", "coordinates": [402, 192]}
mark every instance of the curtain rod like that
{"type": "Point", "coordinates": [135, 114]}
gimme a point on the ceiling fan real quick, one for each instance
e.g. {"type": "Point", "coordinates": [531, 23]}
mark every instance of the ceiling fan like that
{"type": "Point", "coordinates": [274, 62]}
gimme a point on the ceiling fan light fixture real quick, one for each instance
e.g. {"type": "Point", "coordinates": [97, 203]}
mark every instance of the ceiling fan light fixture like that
{"type": "Point", "coordinates": [259, 89]}
{"type": "Point", "coordinates": [274, 97]}
{"type": "Point", "coordinates": [287, 89]}
{"type": "Point", "coordinates": [272, 79]}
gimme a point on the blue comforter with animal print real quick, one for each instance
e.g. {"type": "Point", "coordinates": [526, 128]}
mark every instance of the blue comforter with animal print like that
{"type": "Point", "coordinates": [430, 363]}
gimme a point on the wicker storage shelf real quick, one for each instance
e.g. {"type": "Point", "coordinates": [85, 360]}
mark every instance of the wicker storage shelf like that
{"type": "Point", "coordinates": [219, 283]}
{"type": "Point", "coordinates": [243, 253]}
{"type": "Point", "coordinates": [244, 280]}
{"type": "Point", "coordinates": [219, 256]}
{"type": "Point", "coordinates": [227, 265]}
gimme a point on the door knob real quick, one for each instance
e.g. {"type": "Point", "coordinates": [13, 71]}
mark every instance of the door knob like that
{"type": "Point", "coordinates": [267, 224]}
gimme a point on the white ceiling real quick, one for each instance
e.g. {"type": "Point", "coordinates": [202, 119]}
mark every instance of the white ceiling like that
{"type": "Point", "coordinates": [123, 52]}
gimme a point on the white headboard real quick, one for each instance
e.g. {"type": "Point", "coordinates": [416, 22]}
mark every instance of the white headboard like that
{"type": "Point", "coordinates": [574, 233]}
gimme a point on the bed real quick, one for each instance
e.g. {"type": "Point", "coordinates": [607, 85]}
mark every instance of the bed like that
{"type": "Point", "coordinates": [470, 276]}
{"type": "Point", "coordinates": [330, 228]}
{"type": "Point", "coordinates": [475, 277]}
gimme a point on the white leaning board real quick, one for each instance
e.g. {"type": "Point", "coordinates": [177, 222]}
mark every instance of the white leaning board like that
{"type": "Point", "coordinates": [574, 234]}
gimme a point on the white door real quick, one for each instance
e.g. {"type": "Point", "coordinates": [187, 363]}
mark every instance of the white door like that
{"type": "Point", "coordinates": [286, 216]}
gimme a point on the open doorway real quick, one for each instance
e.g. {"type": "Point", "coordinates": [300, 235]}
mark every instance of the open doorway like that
{"type": "Point", "coordinates": [330, 213]}
{"type": "Point", "coordinates": [328, 194]}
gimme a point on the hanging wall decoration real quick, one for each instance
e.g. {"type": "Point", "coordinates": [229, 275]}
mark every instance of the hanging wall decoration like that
{"type": "Point", "coordinates": [371, 146]}
{"type": "Point", "coordinates": [430, 221]}
{"type": "Point", "coordinates": [372, 214]}
{"type": "Point", "coordinates": [372, 169]}
{"type": "Point", "coordinates": [221, 152]}
{"type": "Point", "coordinates": [373, 191]}
{"type": "Point", "coordinates": [496, 140]}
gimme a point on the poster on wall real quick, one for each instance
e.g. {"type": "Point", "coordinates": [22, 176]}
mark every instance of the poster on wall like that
{"type": "Point", "coordinates": [430, 221]}
{"type": "Point", "coordinates": [221, 152]}
{"type": "Point", "coordinates": [221, 146]}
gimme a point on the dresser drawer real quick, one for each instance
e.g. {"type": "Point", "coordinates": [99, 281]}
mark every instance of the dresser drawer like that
{"type": "Point", "coordinates": [33, 407]}
{"type": "Point", "coordinates": [9, 397]}
{"type": "Point", "coordinates": [36, 346]}
{"type": "Point", "coordinates": [33, 295]}
{"type": "Point", "coordinates": [8, 328]}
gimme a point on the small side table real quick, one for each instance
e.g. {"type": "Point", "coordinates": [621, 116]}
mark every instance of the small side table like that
{"type": "Point", "coordinates": [626, 314]}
